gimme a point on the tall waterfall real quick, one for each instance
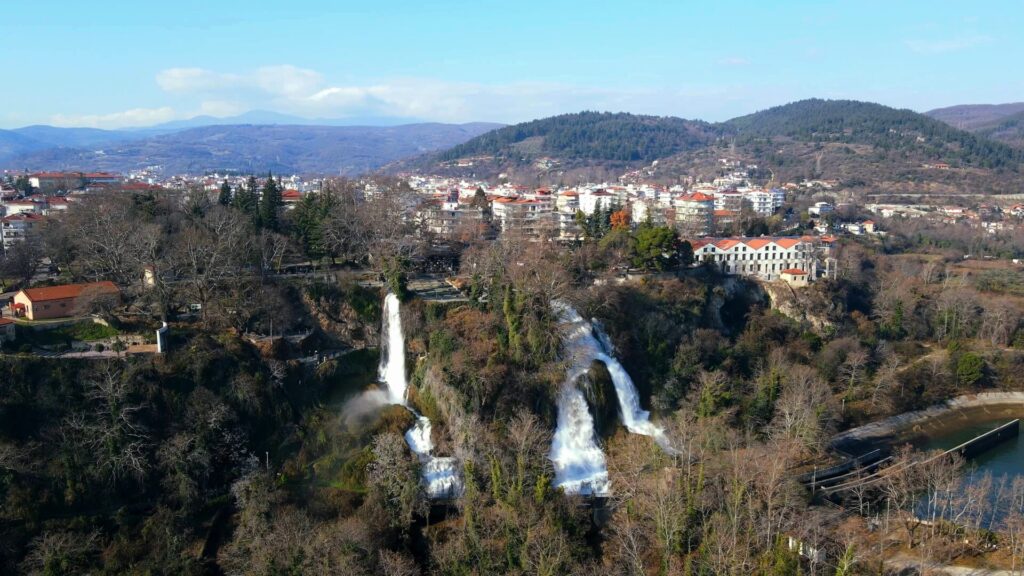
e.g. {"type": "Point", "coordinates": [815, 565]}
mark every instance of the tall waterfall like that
{"type": "Point", "coordinates": [440, 474]}
{"type": "Point", "coordinates": [636, 419]}
{"type": "Point", "coordinates": [392, 347]}
{"type": "Point", "coordinates": [579, 463]}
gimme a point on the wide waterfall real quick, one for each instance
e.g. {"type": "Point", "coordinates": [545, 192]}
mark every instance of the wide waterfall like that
{"type": "Point", "coordinates": [440, 474]}
{"type": "Point", "coordinates": [579, 462]}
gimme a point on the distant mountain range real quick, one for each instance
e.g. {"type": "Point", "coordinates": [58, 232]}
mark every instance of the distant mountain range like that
{"type": "Point", "coordinates": [345, 150]}
{"type": "Point", "coordinates": [1002, 122]}
{"type": "Point", "coordinates": [862, 143]}
{"type": "Point", "coordinates": [859, 142]}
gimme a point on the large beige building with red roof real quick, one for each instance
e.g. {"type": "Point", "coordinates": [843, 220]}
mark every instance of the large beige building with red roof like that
{"type": "Point", "coordinates": [765, 258]}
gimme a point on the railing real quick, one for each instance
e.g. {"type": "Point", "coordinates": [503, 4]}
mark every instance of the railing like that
{"type": "Point", "coordinates": [968, 449]}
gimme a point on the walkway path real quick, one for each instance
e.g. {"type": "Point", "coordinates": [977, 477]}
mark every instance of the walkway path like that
{"type": "Point", "coordinates": [904, 562]}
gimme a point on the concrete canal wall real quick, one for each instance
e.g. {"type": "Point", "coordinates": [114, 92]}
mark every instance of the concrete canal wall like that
{"type": "Point", "coordinates": [901, 423]}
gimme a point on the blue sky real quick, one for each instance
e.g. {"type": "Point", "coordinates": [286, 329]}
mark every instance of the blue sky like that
{"type": "Point", "coordinates": [114, 64]}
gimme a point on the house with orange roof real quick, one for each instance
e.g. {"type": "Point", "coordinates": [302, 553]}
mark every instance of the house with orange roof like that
{"type": "Point", "coordinates": [524, 216]}
{"type": "Point", "coordinates": [63, 301]}
{"type": "Point", "coordinates": [290, 198]}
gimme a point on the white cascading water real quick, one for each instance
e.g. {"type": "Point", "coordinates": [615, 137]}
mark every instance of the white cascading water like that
{"type": "Point", "coordinates": [636, 419]}
{"type": "Point", "coordinates": [440, 474]}
{"type": "Point", "coordinates": [392, 358]}
{"type": "Point", "coordinates": [578, 461]}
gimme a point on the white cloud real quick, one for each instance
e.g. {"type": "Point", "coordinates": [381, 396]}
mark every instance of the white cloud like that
{"type": "Point", "coordinates": [125, 119]}
{"type": "Point", "coordinates": [948, 45]}
{"type": "Point", "coordinates": [462, 101]}
{"type": "Point", "coordinates": [303, 92]}
{"type": "Point", "coordinates": [286, 80]}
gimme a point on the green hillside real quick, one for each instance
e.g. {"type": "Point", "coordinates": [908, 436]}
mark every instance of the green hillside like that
{"type": "Point", "coordinates": [590, 136]}
{"type": "Point", "coordinates": [852, 122]}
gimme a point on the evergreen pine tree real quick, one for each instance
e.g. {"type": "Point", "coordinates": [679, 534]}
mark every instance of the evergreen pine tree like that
{"type": "Point", "coordinates": [225, 194]}
{"type": "Point", "coordinates": [246, 197]}
{"type": "Point", "coordinates": [270, 202]}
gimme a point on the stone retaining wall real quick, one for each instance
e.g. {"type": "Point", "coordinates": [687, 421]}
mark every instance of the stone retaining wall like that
{"type": "Point", "coordinates": [895, 424]}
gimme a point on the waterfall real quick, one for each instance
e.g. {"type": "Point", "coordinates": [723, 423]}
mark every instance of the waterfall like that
{"type": "Point", "coordinates": [636, 419]}
{"type": "Point", "coordinates": [392, 351]}
{"type": "Point", "coordinates": [440, 474]}
{"type": "Point", "coordinates": [577, 459]}
{"type": "Point", "coordinates": [579, 462]}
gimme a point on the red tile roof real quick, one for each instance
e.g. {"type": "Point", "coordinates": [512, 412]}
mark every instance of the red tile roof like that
{"type": "Point", "coordinates": [69, 291]}
{"type": "Point", "coordinates": [697, 197]}
{"type": "Point", "coordinates": [794, 271]}
{"type": "Point", "coordinates": [28, 216]}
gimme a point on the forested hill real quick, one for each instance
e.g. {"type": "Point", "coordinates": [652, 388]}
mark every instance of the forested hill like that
{"type": "Point", "coordinates": [617, 137]}
{"type": "Point", "coordinates": [848, 140]}
{"type": "Point", "coordinates": [1009, 130]}
{"type": "Point", "coordinates": [887, 129]}
{"type": "Point", "coordinates": [1001, 122]}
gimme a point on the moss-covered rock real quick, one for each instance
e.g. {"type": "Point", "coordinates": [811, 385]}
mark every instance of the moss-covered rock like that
{"type": "Point", "coordinates": [599, 391]}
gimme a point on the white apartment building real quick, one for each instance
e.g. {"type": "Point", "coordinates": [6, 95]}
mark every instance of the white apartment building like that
{"type": "Point", "coordinates": [530, 218]}
{"type": "Point", "coordinates": [567, 203]}
{"type": "Point", "coordinates": [16, 227]}
{"type": "Point", "coordinates": [589, 201]}
{"type": "Point", "coordinates": [695, 214]}
{"type": "Point", "coordinates": [765, 202]}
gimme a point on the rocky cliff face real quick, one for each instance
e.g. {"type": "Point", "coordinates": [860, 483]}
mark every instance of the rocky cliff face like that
{"type": "Point", "coordinates": [800, 304]}
{"type": "Point", "coordinates": [340, 320]}
{"type": "Point", "coordinates": [730, 301]}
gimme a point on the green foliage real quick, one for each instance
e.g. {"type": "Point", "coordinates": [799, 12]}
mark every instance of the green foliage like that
{"type": "Point", "coordinates": [656, 248]}
{"type": "Point", "coordinates": [270, 203]}
{"type": "Point", "coordinates": [246, 198]}
{"type": "Point", "coordinates": [396, 278]}
{"type": "Point", "coordinates": [224, 198]}
{"type": "Point", "coordinates": [308, 222]}
{"type": "Point", "coordinates": [970, 369]}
